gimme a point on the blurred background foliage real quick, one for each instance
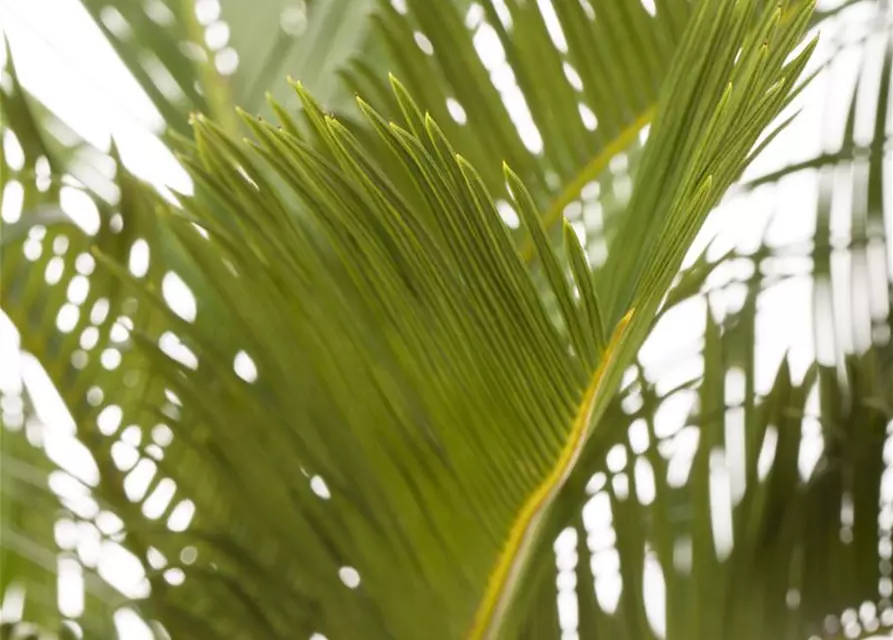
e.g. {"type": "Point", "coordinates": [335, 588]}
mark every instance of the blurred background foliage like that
{"type": "Point", "coordinates": [732, 488]}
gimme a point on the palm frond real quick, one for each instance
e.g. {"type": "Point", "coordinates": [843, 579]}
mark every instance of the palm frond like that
{"type": "Point", "coordinates": [165, 47]}
{"type": "Point", "coordinates": [804, 550]}
{"type": "Point", "coordinates": [471, 404]}
{"type": "Point", "coordinates": [361, 260]}
{"type": "Point", "coordinates": [311, 41]}
{"type": "Point", "coordinates": [46, 568]}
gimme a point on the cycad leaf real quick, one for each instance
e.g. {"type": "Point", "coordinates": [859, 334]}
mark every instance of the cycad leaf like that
{"type": "Point", "coordinates": [162, 44]}
{"type": "Point", "coordinates": [32, 556]}
{"type": "Point", "coordinates": [433, 404]}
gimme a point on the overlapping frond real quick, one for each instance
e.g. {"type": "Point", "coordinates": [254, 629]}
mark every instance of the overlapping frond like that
{"type": "Point", "coordinates": [800, 546]}
{"type": "Point", "coordinates": [166, 47]}
{"type": "Point", "coordinates": [40, 541]}
{"type": "Point", "coordinates": [308, 40]}
{"type": "Point", "coordinates": [75, 319]}
{"type": "Point", "coordinates": [555, 89]}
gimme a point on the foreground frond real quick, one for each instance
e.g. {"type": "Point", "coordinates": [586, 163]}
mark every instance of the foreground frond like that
{"type": "Point", "coordinates": [427, 407]}
{"type": "Point", "coordinates": [374, 406]}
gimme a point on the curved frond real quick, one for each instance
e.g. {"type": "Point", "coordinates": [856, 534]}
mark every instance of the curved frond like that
{"type": "Point", "coordinates": [378, 413]}
{"type": "Point", "coordinates": [470, 401]}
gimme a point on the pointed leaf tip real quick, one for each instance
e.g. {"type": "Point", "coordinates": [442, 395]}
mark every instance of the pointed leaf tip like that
{"type": "Point", "coordinates": [568, 235]}
{"type": "Point", "coordinates": [465, 166]}
{"type": "Point", "coordinates": [367, 110]}
{"type": "Point", "coordinates": [515, 184]}
{"type": "Point", "coordinates": [398, 87]}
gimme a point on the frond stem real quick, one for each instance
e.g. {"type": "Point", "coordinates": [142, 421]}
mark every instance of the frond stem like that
{"type": "Point", "coordinates": [522, 534]}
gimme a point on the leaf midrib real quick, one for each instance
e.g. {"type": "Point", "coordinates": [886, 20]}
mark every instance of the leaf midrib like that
{"type": "Point", "coordinates": [520, 535]}
{"type": "Point", "coordinates": [590, 171]}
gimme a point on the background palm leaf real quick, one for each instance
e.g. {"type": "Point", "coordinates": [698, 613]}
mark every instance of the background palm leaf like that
{"type": "Point", "coordinates": [792, 556]}
{"type": "Point", "coordinates": [208, 55]}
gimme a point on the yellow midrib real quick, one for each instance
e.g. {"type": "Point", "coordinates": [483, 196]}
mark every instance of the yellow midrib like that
{"type": "Point", "coordinates": [499, 578]}
{"type": "Point", "coordinates": [588, 173]}
{"type": "Point", "coordinates": [501, 575]}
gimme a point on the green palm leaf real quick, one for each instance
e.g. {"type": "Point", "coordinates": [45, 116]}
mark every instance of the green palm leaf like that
{"type": "Point", "coordinates": [76, 320]}
{"type": "Point", "coordinates": [429, 315]}
{"type": "Point", "coordinates": [361, 260]}
{"type": "Point", "coordinates": [557, 90]}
